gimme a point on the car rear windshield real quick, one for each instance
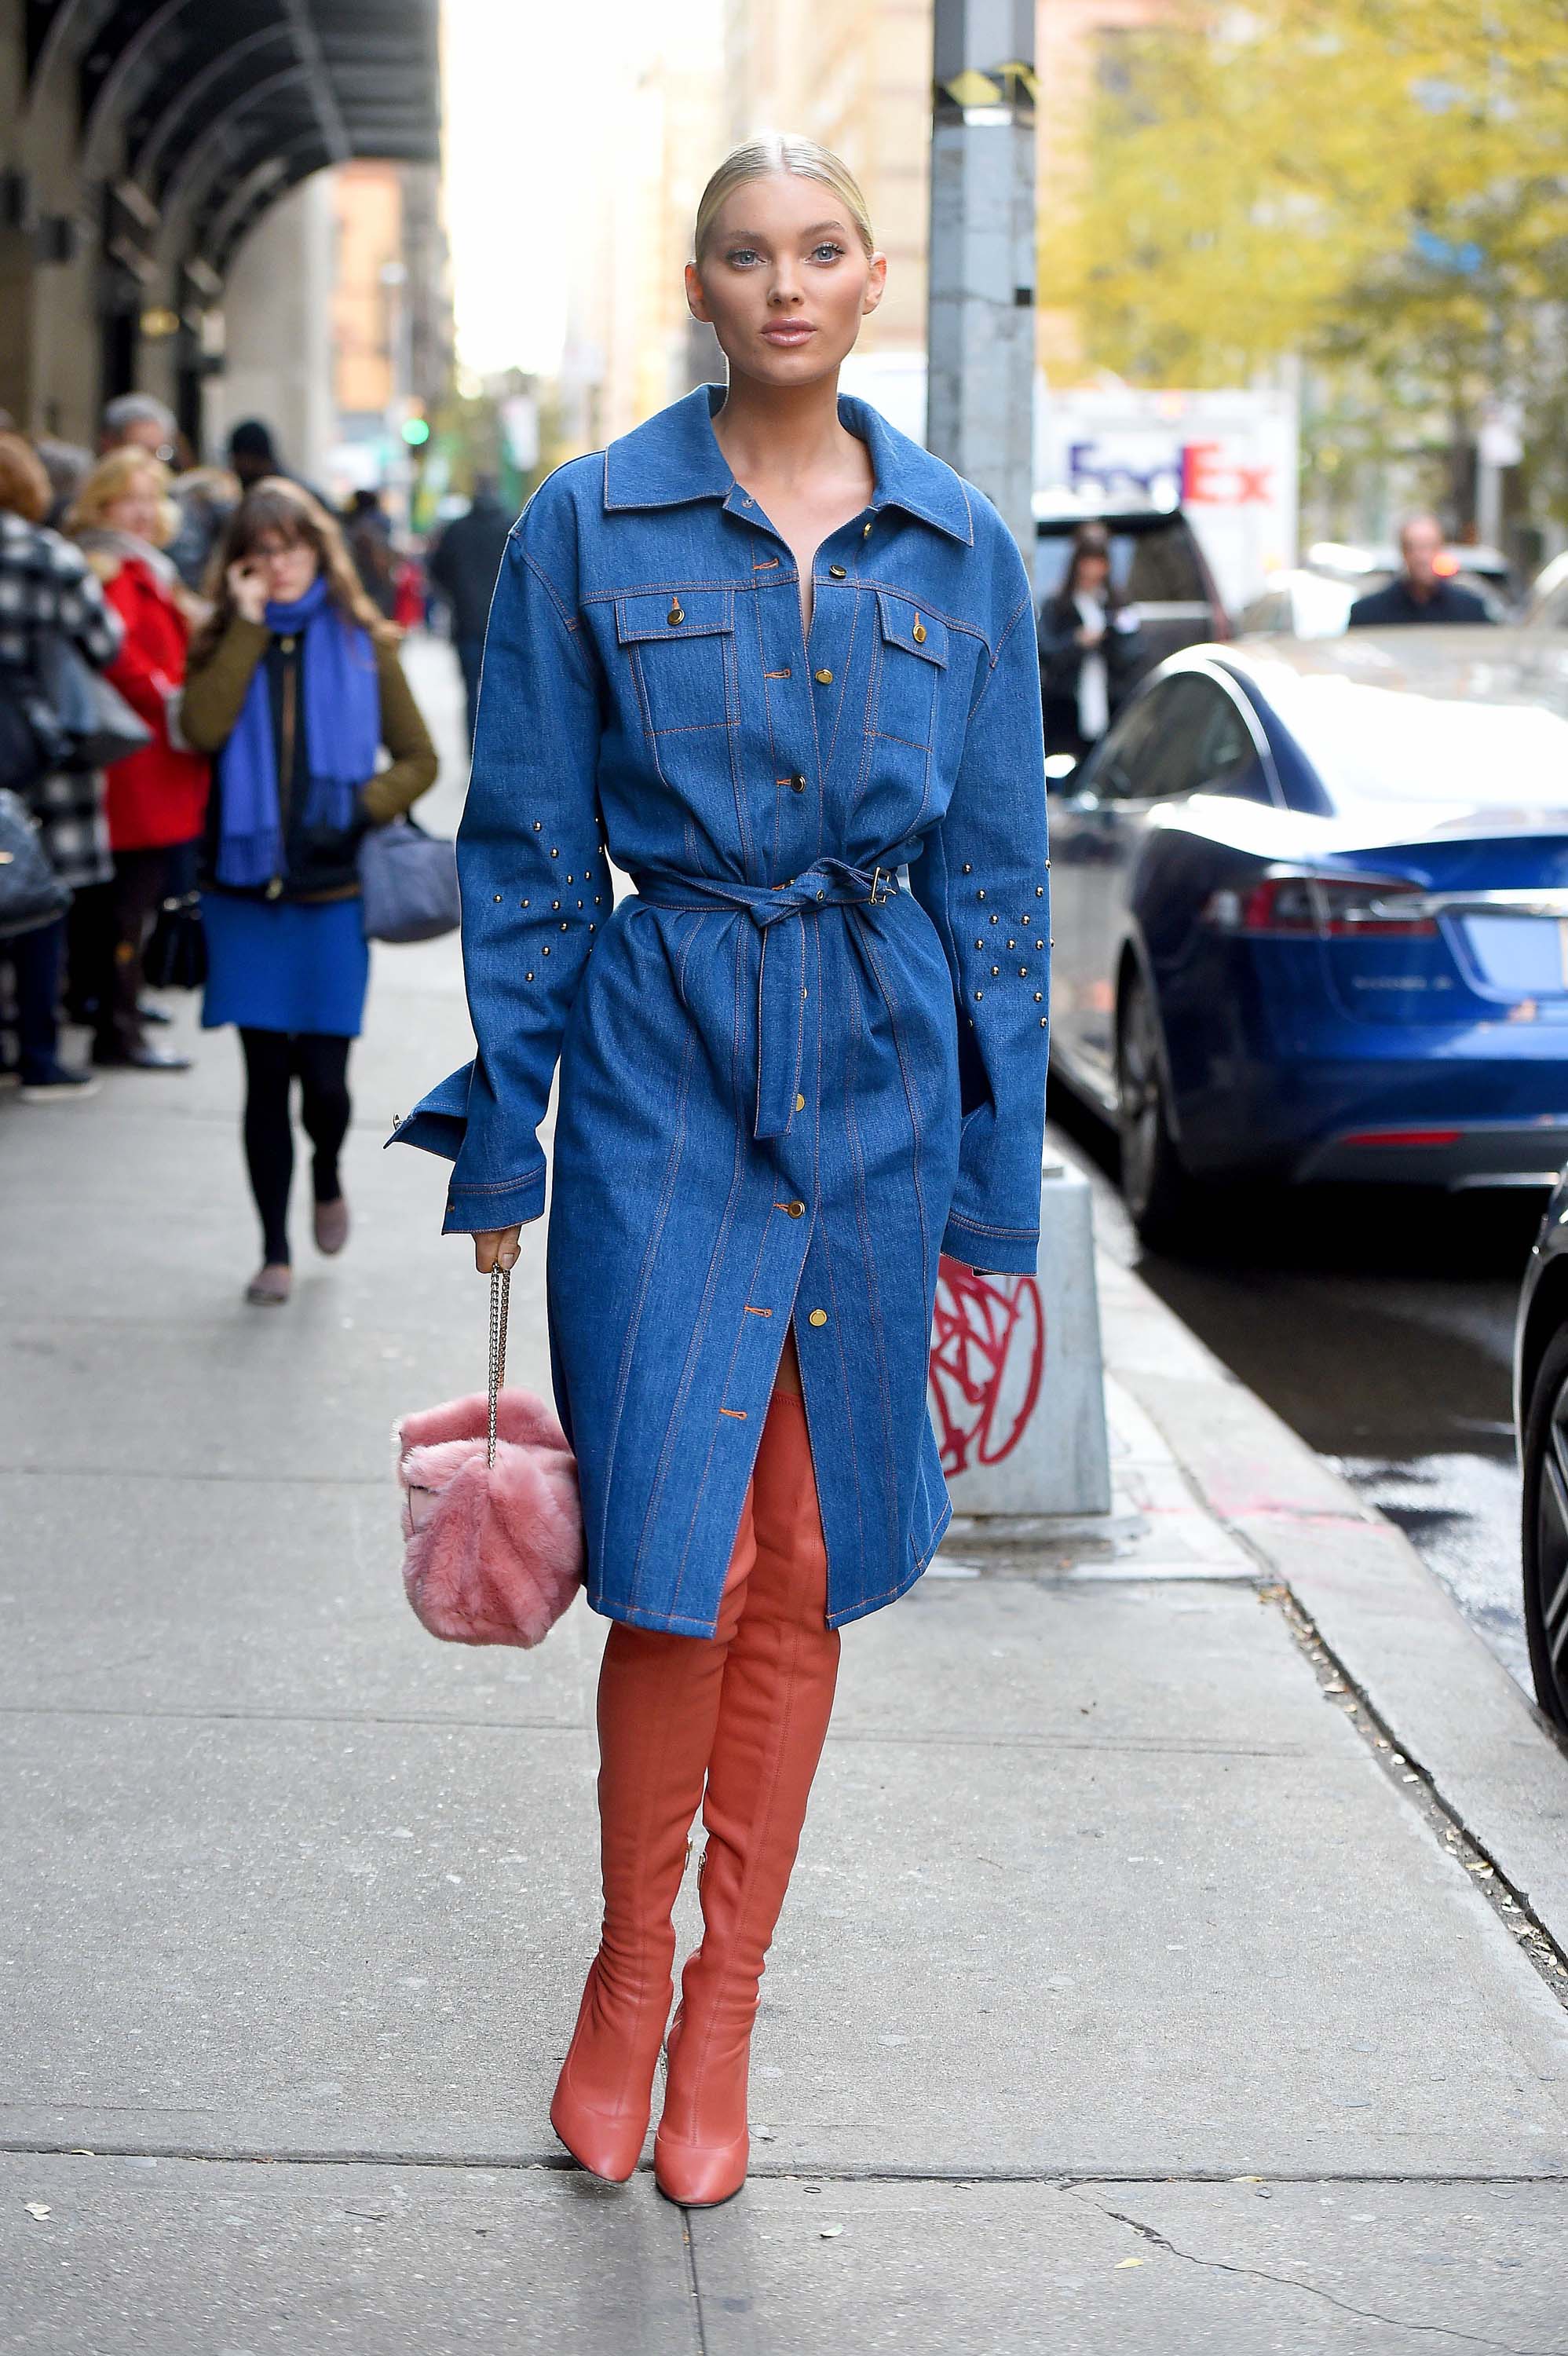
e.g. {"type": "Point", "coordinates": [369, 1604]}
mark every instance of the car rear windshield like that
{"type": "Point", "coordinates": [1373, 743]}
{"type": "Point", "coordinates": [1154, 564]}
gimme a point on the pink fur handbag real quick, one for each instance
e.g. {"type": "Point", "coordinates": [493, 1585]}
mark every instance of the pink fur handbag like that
{"type": "Point", "coordinates": [492, 1522]}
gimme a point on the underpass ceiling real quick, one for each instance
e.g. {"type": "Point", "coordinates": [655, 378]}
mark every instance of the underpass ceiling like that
{"type": "Point", "coordinates": [223, 105]}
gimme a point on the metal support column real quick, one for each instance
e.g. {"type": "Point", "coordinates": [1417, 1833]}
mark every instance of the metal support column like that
{"type": "Point", "coordinates": [980, 382]}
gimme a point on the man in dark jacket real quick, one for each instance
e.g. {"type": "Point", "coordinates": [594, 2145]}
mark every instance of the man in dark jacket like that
{"type": "Point", "coordinates": [1420, 594]}
{"type": "Point", "coordinates": [464, 564]}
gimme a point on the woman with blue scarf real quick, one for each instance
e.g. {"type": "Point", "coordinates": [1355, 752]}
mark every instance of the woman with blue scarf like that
{"type": "Point", "coordinates": [296, 686]}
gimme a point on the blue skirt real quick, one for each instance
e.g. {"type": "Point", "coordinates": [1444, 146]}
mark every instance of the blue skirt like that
{"type": "Point", "coordinates": [282, 965]}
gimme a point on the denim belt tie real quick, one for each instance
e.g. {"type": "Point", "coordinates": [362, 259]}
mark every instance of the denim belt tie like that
{"type": "Point", "coordinates": [781, 964]}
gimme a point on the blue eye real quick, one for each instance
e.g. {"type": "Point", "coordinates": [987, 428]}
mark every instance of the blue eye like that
{"type": "Point", "coordinates": [741, 254]}
{"type": "Point", "coordinates": [833, 252]}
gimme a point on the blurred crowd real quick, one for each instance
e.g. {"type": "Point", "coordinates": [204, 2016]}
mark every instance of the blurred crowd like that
{"type": "Point", "coordinates": [203, 718]}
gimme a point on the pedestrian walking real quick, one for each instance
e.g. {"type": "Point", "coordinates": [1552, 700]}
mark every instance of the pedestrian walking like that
{"type": "Point", "coordinates": [47, 590]}
{"type": "Point", "coordinates": [463, 565]}
{"type": "Point", "coordinates": [296, 688]}
{"type": "Point", "coordinates": [1091, 648]}
{"type": "Point", "coordinates": [368, 529]}
{"type": "Point", "coordinates": [124, 518]}
{"type": "Point", "coordinates": [1420, 593]}
{"type": "Point", "coordinates": [767, 653]}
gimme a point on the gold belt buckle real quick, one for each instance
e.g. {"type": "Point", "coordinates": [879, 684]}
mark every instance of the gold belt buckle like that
{"type": "Point", "coordinates": [878, 875]}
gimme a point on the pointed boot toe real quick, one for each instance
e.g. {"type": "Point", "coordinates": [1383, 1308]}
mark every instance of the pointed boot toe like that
{"type": "Point", "coordinates": [604, 2097]}
{"type": "Point", "coordinates": [608, 2146]}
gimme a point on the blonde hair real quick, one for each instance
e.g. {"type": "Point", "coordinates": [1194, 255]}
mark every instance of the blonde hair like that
{"type": "Point", "coordinates": [764, 157]}
{"type": "Point", "coordinates": [109, 480]}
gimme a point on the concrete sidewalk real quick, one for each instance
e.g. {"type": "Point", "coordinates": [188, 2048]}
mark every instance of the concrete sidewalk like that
{"type": "Point", "coordinates": [1171, 1965]}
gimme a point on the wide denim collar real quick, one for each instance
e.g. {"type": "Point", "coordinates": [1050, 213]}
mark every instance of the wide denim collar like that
{"type": "Point", "coordinates": [674, 457]}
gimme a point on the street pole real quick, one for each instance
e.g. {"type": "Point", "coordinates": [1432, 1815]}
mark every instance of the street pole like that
{"type": "Point", "coordinates": [980, 335]}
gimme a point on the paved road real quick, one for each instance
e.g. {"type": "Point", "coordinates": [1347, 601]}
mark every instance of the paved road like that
{"type": "Point", "coordinates": [1378, 1323]}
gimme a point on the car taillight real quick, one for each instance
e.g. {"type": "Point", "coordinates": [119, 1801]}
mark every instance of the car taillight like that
{"type": "Point", "coordinates": [1324, 907]}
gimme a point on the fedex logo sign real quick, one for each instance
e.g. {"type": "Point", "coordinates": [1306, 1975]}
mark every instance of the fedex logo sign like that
{"type": "Point", "coordinates": [1198, 473]}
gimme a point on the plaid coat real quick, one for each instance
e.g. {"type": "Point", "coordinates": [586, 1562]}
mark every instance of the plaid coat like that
{"type": "Point", "coordinates": [47, 586]}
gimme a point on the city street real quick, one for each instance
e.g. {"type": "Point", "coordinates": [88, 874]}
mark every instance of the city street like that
{"type": "Point", "coordinates": [1378, 1323]}
{"type": "Point", "coordinates": [1176, 1958]}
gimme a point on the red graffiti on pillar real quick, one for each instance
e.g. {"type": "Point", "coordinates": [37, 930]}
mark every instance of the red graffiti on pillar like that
{"type": "Point", "coordinates": [987, 1356]}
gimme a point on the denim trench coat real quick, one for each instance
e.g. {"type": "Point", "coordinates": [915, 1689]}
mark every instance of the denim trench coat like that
{"type": "Point", "coordinates": [789, 1080]}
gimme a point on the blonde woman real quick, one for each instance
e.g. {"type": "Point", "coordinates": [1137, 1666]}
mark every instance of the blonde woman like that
{"type": "Point", "coordinates": [122, 518]}
{"type": "Point", "coordinates": [774, 658]}
{"type": "Point", "coordinates": [296, 689]}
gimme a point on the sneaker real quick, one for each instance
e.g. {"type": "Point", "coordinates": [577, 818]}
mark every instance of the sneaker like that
{"type": "Point", "coordinates": [63, 1086]}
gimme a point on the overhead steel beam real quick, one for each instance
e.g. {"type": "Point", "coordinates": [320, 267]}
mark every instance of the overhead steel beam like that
{"type": "Point", "coordinates": [102, 114]}
{"type": "Point", "coordinates": [145, 164]}
{"type": "Point", "coordinates": [328, 114]}
{"type": "Point", "coordinates": [192, 179]}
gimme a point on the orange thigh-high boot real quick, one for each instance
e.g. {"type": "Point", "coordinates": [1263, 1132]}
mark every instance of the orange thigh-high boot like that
{"type": "Point", "coordinates": [658, 1707]}
{"type": "Point", "coordinates": [779, 1675]}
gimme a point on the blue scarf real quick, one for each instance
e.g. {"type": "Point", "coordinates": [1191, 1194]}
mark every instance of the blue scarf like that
{"type": "Point", "coordinates": [341, 713]}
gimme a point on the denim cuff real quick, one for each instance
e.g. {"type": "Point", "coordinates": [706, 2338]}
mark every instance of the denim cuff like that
{"type": "Point", "coordinates": [476, 1210]}
{"type": "Point", "coordinates": [1002, 1252]}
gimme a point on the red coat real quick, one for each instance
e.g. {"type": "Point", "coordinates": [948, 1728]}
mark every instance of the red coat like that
{"type": "Point", "coordinates": [156, 796]}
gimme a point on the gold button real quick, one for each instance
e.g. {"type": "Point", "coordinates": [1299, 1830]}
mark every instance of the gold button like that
{"type": "Point", "coordinates": [800, 1104]}
{"type": "Point", "coordinates": [836, 571]}
{"type": "Point", "coordinates": [675, 612]}
{"type": "Point", "coordinates": [817, 1317]}
{"type": "Point", "coordinates": [796, 1210]}
{"type": "Point", "coordinates": [866, 531]}
{"type": "Point", "coordinates": [918, 634]}
{"type": "Point", "coordinates": [799, 783]}
{"type": "Point", "coordinates": [823, 678]}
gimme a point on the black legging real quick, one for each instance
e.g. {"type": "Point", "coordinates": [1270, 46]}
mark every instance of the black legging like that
{"type": "Point", "coordinates": [320, 1062]}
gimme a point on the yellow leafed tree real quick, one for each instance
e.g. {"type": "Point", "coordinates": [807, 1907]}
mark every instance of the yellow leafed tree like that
{"type": "Point", "coordinates": [1378, 184]}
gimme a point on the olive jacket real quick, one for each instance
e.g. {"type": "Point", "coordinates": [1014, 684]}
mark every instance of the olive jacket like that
{"type": "Point", "coordinates": [315, 867]}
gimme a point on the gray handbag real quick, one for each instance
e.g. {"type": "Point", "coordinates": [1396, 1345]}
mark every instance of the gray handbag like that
{"type": "Point", "coordinates": [95, 720]}
{"type": "Point", "coordinates": [408, 883]}
{"type": "Point", "coordinates": [31, 894]}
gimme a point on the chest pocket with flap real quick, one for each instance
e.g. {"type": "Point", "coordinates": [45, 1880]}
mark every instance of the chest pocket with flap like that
{"type": "Point", "coordinates": [911, 656]}
{"type": "Point", "coordinates": [680, 646]}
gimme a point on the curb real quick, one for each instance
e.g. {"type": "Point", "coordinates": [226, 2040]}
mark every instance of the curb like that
{"type": "Point", "coordinates": [1488, 1754]}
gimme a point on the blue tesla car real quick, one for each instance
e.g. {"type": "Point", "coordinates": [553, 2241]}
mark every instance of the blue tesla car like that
{"type": "Point", "coordinates": [1310, 907]}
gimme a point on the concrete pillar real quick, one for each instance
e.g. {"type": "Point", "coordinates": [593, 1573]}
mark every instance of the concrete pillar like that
{"type": "Point", "coordinates": [277, 332]}
{"type": "Point", "coordinates": [980, 399]}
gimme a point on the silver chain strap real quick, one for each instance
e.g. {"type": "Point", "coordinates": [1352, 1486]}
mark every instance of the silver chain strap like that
{"type": "Point", "coordinates": [500, 1290]}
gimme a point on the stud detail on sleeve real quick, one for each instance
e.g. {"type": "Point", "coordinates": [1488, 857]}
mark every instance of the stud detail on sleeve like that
{"type": "Point", "coordinates": [677, 612]}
